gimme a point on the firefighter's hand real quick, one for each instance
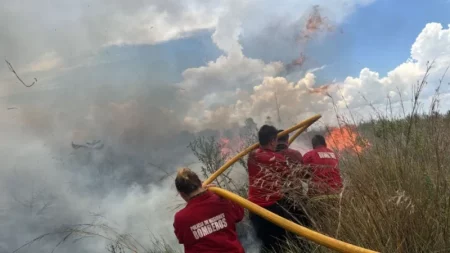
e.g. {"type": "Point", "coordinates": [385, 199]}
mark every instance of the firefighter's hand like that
{"type": "Point", "coordinates": [209, 185]}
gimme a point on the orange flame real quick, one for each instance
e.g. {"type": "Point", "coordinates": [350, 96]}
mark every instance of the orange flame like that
{"type": "Point", "coordinates": [229, 147]}
{"type": "Point", "coordinates": [225, 151]}
{"type": "Point", "coordinates": [315, 23]}
{"type": "Point", "coordinates": [320, 90]}
{"type": "Point", "coordinates": [346, 138]}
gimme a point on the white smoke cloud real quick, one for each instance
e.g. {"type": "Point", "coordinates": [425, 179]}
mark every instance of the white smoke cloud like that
{"type": "Point", "coordinates": [72, 29]}
{"type": "Point", "coordinates": [47, 184]}
{"type": "Point", "coordinates": [302, 98]}
{"type": "Point", "coordinates": [233, 77]}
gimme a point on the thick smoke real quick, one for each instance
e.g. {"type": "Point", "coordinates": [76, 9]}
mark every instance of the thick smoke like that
{"type": "Point", "coordinates": [107, 163]}
{"type": "Point", "coordinates": [88, 143]}
{"type": "Point", "coordinates": [66, 165]}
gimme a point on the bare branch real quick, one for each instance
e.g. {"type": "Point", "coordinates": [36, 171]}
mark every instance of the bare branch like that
{"type": "Point", "coordinates": [18, 77]}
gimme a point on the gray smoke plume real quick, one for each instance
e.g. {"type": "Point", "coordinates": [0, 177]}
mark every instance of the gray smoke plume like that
{"type": "Point", "coordinates": [64, 165]}
{"type": "Point", "coordinates": [100, 133]}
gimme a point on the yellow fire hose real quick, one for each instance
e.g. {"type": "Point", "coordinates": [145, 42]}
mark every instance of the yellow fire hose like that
{"type": "Point", "coordinates": [292, 139]}
{"type": "Point", "coordinates": [309, 234]}
{"type": "Point", "coordinates": [302, 125]}
{"type": "Point", "coordinates": [314, 236]}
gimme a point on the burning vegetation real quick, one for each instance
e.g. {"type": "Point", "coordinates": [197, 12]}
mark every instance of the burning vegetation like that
{"type": "Point", "coordinates": [229, 147]}
{"type": "Point", "coordinates": [346, 138]}
{"type": "Point", "coordinates": [315, 23]}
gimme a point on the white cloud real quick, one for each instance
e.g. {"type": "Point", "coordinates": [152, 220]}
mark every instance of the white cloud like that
{"type": "Point", "coordinates": [48, 61]}
{"type": "Point", "coordinates": [227, 72]}
{"type": "Point", "coordinates": [432, 43]}
{"type": "Point", "coordinates": [149, 27]}
{"type": "Point", "coordinates": [294, 98]}
{"type": "Point", "coordinates": [303, 97]}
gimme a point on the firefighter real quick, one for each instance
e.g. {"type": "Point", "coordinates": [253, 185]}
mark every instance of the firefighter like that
{"type": "Point", "coordinates": [208, 222]}
{"type": "Point", "coordinates": [267, 171]}
{"type": "Point", "coordinates": [325, 185]}
{"type": "Point", "coordinates": [293, 156]}
{"type": "Point", "coordinates": [324, 168]}
{"type": "Point", "coordinates": [298, 178]}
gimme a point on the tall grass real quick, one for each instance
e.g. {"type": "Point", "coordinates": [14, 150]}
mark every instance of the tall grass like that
{"type": "Point", "coordinates": [397, 194]}
{"type": "Point", "coordinates": [397, 191]}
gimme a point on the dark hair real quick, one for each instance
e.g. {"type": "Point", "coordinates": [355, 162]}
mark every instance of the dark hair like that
{"type": "Point", "coordinates": [187, 181]}
{"type": "Point", "coordinates": [282, 142]}
{"type": "Point", "coordinates": [266, 134]}
{"type": "Point", "coordinates": [318, 140]}
{"type": "Point", "coordinates": [283, 138]}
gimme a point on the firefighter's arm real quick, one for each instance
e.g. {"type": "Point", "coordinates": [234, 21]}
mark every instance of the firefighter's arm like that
{"type": "Point", "coordinates": [209, 185]}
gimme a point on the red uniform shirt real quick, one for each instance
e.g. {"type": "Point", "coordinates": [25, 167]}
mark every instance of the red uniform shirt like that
{"type": "Point", "coordinates": [266, 171]}
{"type": "Point", "coordinates": [208, 225]}
{"type": "Point", "coordinates": [293, 156]}
{"type": "Point", "coordinates": [326, 178]}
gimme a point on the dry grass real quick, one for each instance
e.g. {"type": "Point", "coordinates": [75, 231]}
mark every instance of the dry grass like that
{"type": "Point", "coordinates": [396, 196]}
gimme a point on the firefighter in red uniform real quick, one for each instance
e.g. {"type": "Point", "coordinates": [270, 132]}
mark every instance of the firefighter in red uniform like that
{"type": "Point", "coordinates": [325, 185]}
{"type": "Point", "coordinates": [295, 161]}
{"type": "Point", "coordinates": [326, 177]}
{"type": "Point", "coordinates": [267, 171]}
{"type": "Point", "coordinates": [293, 156]}
{"type": "Point", "coordinates": [208, 223]}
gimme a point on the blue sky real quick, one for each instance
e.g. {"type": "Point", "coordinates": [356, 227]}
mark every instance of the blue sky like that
{"type": "Point", "coordinates": [166, 61]}
{"type": "Point", "coordinates": [378, 36]}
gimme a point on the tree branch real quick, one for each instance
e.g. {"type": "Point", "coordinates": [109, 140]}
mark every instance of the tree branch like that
{"type": "Point", "coordinates": [18, 77]}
